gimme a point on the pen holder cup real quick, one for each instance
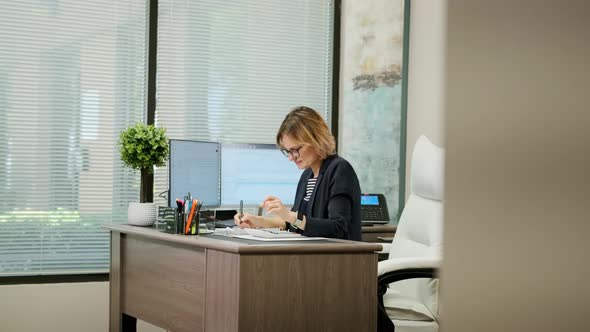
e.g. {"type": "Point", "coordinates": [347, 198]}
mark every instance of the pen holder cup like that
{"type": "Point", "coordinates": [176, 227]}
{"type": "Point", "coordinates": [181, 222]}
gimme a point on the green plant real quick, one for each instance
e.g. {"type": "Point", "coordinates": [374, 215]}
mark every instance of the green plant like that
{"type": "Point", "coordinates": [142, 147]}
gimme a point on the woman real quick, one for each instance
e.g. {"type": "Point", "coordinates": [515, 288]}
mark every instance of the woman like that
{"type": "Point", "coordinates": [327, 201]}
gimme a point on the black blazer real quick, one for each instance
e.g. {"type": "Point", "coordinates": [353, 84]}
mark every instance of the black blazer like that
{"type": "Point", "coordinates": [334, 209]}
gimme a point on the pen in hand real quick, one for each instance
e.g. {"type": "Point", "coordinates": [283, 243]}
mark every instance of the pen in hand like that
{"type": "Point", "coordinates": [241, 210]}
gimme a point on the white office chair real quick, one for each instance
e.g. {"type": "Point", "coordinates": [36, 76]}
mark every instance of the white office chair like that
{"type": "Point", "coordinates": [408, 292]}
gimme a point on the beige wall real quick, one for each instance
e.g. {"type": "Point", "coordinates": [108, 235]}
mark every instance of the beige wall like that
{"type": "Point", "coordinates": [71, 307]}
{"type": "Point", "coordinates": [425, 76]}
{"type": "Point", "coordinates": [517, 199]}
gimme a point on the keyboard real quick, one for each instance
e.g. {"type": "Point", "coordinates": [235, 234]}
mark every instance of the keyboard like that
{"type": "Point", "coordinates": [373, 215]}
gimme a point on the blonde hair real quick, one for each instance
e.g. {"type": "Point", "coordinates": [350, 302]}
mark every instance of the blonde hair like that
{"type": "Point", "coordinates": [308, 127]}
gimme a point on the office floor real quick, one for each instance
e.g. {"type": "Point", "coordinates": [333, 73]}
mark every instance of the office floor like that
{"type": "Point", "coordinates": [60, 307]}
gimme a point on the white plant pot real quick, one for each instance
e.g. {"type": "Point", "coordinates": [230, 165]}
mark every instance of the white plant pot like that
{"type": "Point", "coordinates": [142, 214]}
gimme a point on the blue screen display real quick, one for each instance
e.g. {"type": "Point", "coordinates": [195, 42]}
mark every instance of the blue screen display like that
{"type": "Point", "coordinates": [250, 172]}
{"type": "Point", "coordinates": [369, 200]}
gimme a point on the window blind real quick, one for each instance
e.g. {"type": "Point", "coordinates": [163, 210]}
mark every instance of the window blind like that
{"type": "Point", "coordinates": [230, 71]}
{"type": "Point", "coordinates": [72, 76]}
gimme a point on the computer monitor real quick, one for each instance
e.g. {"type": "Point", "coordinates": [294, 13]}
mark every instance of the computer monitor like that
{"type": "Point", "coordinates": [194, 167]}
{"type": "Point", "coordinates": [250, 172]}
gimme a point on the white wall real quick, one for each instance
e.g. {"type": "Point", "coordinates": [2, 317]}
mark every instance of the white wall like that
{"type": "Point", "coordinates": [68, 307]}
{"type": "Point", "coordinates": [517, 198]}
{"type": "Point", "coordinates": [425, 76]}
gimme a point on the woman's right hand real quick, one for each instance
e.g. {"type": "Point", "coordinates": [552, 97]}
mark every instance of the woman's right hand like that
{"type": "Point", "coordinates": [248, 220]}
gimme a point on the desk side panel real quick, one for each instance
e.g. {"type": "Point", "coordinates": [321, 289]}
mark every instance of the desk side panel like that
{"type": "Point", "coordinates": [221, 308]}
{"type": "Point", "coordinates": [163, 283]}
{"type": "Point", "coordinates": [115, 284]}
{"type": "Point", "coordinates": [321, 292]}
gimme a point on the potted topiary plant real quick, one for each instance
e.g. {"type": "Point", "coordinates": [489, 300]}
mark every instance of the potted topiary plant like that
{"type": "Point", "coordinates": [142, 147]}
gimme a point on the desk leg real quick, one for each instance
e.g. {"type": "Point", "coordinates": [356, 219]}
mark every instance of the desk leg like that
{"type": "Point", "coordinates": [115, 314]}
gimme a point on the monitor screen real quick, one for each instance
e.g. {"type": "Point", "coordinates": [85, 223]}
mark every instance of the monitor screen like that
{"type": "Point", "coordinates": [250, 172]}
{"type": "Point", "coordinates": [194, 167]}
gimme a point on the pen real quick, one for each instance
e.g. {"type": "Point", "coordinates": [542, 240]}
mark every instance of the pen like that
{"type": "Point", "coordinates": [241, 209]}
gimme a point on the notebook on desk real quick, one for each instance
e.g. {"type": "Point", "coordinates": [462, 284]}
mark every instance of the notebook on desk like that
{"type": "Point", "coordinates": [271, 234]}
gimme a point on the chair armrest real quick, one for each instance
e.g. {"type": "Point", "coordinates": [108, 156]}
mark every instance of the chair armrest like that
{"type": "Point", "coordinates": [385, 247]}
{"type": "Point", "coordinates": [397, 269]}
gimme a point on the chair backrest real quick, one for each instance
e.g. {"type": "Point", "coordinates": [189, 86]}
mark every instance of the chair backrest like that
{"type": "Point", "coordinates": [419, 231]}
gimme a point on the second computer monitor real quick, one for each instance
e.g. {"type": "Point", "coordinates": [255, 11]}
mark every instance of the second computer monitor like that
{"type": "Point", "coordinates": [194, 167]}
{"type": "Point", "coordinates": [250, 172]}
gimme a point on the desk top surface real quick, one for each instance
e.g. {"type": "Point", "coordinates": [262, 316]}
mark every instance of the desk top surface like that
{"type": "Point", "coordinates": [242, 246]}
{"type": "Point", "coordinates": [379, 228]}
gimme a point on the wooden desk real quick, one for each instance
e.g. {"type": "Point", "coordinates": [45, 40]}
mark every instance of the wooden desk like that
{"type": "Point", "coordinates": [213, 283]}
{"type": "Point", "coordinates": [371, 233]}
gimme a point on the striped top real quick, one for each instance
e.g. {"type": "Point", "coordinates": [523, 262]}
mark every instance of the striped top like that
{"type": "Point", "coordinates": [310, 187]}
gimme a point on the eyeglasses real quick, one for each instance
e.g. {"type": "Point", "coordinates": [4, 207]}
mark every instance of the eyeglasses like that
{"type": "Point", "coordinates": [294, 152]}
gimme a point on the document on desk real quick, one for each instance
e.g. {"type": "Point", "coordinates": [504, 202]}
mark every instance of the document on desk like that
{"type": "Point", "coordinates": [299, 238]}
{"type": "Point", "coordinates": [265, 235]}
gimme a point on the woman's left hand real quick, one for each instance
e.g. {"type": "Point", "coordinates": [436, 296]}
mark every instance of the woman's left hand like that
{"type": "Point", "coordinates": [274, 205]}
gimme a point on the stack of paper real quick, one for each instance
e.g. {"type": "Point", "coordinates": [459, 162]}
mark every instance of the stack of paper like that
{"type": "Point", "coordinates": [262, 234]}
